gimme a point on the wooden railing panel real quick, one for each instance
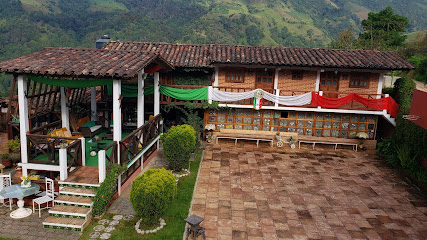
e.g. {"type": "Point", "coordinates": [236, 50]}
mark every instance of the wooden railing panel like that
{"type": "Point", "coordinates": [135, 142]}
{"type": "Point", "coordinates": [112, 158]}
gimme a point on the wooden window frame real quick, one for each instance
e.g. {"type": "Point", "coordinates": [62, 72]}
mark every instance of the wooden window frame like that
{"type": "Point", "coordinates": [234, 72]}
{"type": "Point", "coordinates": [270, 75]}
{"type": "Point", "coordinates": [297, 75]}
{"type": "Point", "coordinates": [356, 77]}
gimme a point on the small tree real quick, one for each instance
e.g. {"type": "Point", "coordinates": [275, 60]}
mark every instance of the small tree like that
{"type": "Point", "coordinates": [152, 193]}
{"type": "Point", "coordinates": [178, 144]}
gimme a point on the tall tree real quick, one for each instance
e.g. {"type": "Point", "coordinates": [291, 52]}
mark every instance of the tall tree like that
{"type": "Point", "coordinates": [383, 30]}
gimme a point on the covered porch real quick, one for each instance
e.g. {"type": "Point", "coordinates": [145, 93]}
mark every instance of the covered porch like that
{"type": "Point", "coordinates": [68, 70]}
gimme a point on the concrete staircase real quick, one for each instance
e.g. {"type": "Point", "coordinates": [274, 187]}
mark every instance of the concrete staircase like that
{"type": "Point", "coordinates": [73, 207]}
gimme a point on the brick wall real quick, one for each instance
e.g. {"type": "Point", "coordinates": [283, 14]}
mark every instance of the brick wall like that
{"type": "Point", "coordinates": [287, 85]}
{"type": "Point", "coordinates": [344, 87]}
{"type": "Point", "coordinates": [249, 81]}
{"type": "Point", "coordinates": [307, 83]}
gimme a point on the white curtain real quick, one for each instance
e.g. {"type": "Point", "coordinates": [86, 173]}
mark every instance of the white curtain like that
{"type": "Point", "coordinates": [221, 96]}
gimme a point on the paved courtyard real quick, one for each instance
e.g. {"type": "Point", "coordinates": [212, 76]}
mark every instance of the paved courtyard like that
{"type": "Point", "coordinates": [244, 192]}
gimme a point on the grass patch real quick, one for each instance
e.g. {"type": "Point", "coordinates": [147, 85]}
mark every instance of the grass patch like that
{"type": "Point", "coordinates": [174, 216]}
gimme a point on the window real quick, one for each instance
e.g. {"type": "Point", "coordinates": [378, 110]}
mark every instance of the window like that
{"type": "Point", "coordinates": [235, 75]}
{"type": "Point", "coordinates": [296, 75]}
{"type": "Point", "coordinates": [359, 80]}
{"type": "Point", "coordinates": [263, 76]}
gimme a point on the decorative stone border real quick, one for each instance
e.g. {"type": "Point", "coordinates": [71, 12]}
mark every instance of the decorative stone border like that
{"type": "Point", "coordinates": [177, 175]}
{"type": "Point", "coordinates": [142, 232]}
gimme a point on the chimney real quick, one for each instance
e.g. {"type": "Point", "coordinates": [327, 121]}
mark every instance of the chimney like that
{"type": "Point", "coordinates": [102, 41]}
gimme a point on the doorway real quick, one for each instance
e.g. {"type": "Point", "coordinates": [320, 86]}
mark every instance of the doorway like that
{"type": "Point", "coordinates": [265, 79]}
{"type": "Point", "coordinates": [329, 83]}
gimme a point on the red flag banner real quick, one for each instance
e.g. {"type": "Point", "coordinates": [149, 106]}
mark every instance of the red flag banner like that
{"type": "Point", "coordinates": [383, 103]}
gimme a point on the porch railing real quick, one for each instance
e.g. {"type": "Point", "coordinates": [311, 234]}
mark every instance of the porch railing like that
{"type": "Point", "coordinates": [112, 158]}
{"type": "Point", "coordinates": [44, 146]}
{"type": "Point", "coordinates": [45, 129]}
{"type": "Point", "coordinates": [133, 144]}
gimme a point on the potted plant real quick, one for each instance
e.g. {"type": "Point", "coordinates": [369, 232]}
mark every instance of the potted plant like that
{"type": "Point", "coordinates": [292, 142]}
{"type": "Point", "coordinates": [5, 160]}
{"type": "Point", "coordinates": [15, 158]}
{"type": "Point", "coordinates": [26, 182]}
{"type": "Point", "coordinates": [14, 145]}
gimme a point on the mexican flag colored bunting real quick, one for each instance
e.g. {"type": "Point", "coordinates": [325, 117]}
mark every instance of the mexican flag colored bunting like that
{"type": "Point", "coordinates": [259, 94]}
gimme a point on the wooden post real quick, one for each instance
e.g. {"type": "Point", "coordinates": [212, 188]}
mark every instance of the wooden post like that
{"type": "Point", "coordinates": [380, 85]}
{"type": "Point", "coordinates": [63, 165]}
{"type": "Point", "coordinates": [102, 167]}
{"type": "Point", "coordinates": [140, 106]}
{"type": "Point", "coordinates": [117, 111]}
{"type": "Point", "coordinates": [93, 103]}
{"type": "Point", "coordinates": [317, 81]}
{"type": "Point", "coordinates": [82, 139]}
{"type": "Point", "coordinates": [65, 114]}
{"type": "Point", "coordinates": [23, 119]}
{"type": "Point", "coordinates": [215, 84]}
{"type": "Point", "coordinates": [156, 94]}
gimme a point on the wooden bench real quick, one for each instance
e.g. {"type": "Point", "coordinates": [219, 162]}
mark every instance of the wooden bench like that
{"type": "Point", "coordinates": [354, 145]}
{"type": "Point", "coordinates": [251, 135]}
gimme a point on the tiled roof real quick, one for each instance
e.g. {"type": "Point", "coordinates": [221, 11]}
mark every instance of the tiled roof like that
{"type": "Point", "coordinates": [204, 55]}
{"type": "Point", "coordinates": [79, 62]}
{"type": "Point", "coordinates": [179, 55]}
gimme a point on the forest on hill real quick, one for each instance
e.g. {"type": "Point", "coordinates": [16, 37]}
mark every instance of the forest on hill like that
{"type": "Point", "coordinates": [29, 25]}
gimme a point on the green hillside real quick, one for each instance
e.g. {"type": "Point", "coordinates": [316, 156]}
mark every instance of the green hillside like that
{"type": "Point", "coordinates": [30, 25]}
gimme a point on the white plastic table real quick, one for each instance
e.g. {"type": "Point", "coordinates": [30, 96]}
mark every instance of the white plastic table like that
{"type": "Point", "coordinates": [16, 191]}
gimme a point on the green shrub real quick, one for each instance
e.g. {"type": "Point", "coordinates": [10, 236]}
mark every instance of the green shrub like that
{"type": "Point", "coordinates": [407, 144]}
{"type": "Point", "coordinates": [152, 193]}
{"type": "Point", "coordinates": [178, 144]}
{"type": "Point", "coordinates": [14, 144]}
{"type": "Point", "coordinates": [106, 190]}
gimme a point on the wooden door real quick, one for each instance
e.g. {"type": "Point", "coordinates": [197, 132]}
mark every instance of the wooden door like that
{"type": "Point", "coordinates": [264, 79]}
{"type": "Point", "coordinates": [329, 82]}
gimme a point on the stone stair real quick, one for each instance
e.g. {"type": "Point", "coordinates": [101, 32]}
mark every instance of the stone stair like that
{"type": "Point", "coordinates": [73, 207]}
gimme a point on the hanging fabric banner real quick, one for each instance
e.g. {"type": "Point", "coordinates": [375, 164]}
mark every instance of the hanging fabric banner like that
{"type": "Point", "coordinates": [185, 94]}
{"type": "Point", "coordinates": [298, 100]}
{"type": "Point", "coordinates": [72, 83]}
{"type": "Point", "coordinates": [258, 99]}
{"type": "Point", "coordinates": [381, 104]}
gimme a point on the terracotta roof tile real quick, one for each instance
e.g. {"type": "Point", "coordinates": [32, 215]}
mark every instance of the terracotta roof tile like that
{"type": "Point", "coordinates": [79, 62]}
{"type": "Point", "coordinates": [204, 55]}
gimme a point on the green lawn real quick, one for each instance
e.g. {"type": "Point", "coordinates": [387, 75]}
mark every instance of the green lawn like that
{"type": "Point", "coordinates": [174, 217]}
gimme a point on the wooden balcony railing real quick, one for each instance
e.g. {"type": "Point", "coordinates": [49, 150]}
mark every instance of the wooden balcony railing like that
{"type": "Point", "coordinates": [135, 142]}
{"type": "Point", "coordinates": [112, 158]}
{"type": "Point", "coordinates": [43, 146]}
{"type": "Point", "coordinates": [45, 129]}
{"type": "Point", "coordinates": [352, 105]}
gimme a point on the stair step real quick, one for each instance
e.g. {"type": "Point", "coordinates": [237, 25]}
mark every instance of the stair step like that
{"type": "Point", "coordinates": [78, 185]}
{"type": "Point", "coordinates": [76, 224]}
{"type": "Point", "coordinates": [69, 211]}
{"type": "Point", "coordinates": [68, 190]}
{"type": "Point", "coordinates": [73, 200]}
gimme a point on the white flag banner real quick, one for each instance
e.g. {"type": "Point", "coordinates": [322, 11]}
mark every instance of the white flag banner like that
{"type": "Point", "coordinates": [221, 96]}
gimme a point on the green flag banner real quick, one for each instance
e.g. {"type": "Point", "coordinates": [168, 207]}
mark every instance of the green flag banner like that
{"type": "Point", "coordinates": [131, 91]}
{"type": "Point", "coordinates": [185, 94]}
{"type": "Point", "coordinates": [177, 93]}
{"type": "Point", "coordinates": [72, 83]}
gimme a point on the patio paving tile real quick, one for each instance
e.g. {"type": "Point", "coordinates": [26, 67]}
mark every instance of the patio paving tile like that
{"type": "Point", "coordinates": [245, 192]}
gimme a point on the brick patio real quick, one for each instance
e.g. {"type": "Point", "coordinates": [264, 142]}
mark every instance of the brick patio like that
{"type": "Point", "coordinates": [244, 192]}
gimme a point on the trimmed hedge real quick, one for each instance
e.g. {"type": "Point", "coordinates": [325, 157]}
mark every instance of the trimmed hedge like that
{"type": "Point", "coordinates": [106, 190]}
{"type": "Point", "coordinates": [178, 144]}
{"type": "Point", "coordinates": [152, 193]}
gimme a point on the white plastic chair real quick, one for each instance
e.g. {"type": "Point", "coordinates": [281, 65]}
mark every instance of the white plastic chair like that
{"type": "Point", "coordinates": [5, 181]}
{"type": "Point", "coordinates": [48, 197]}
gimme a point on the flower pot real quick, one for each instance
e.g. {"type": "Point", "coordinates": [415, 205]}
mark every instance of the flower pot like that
{"type": "Point", "coordinates": [6, 162]}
